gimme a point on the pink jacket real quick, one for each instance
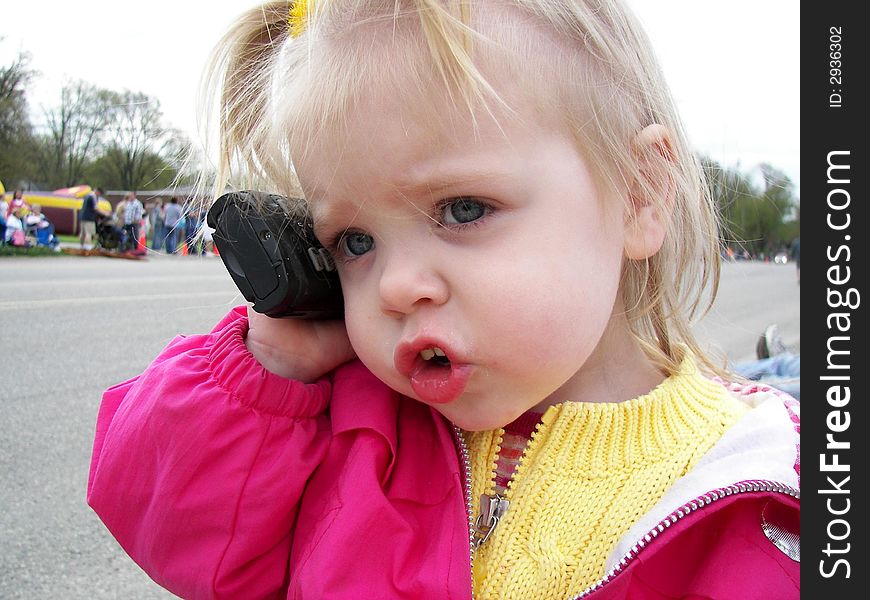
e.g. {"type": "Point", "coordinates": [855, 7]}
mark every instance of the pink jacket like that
{"type": "Point", "coordinates": [222, 480]}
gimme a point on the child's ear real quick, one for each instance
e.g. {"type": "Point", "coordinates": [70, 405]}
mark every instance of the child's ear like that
{"type": "Point", "coordinates": [651, 194]}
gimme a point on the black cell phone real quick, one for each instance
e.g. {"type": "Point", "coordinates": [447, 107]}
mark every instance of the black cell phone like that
{"type": "Point", "coordinates": [267, 244]}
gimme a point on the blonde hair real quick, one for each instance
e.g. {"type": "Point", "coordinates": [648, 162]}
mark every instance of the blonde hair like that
{"type": "Point", "coordinates": [588, 59]}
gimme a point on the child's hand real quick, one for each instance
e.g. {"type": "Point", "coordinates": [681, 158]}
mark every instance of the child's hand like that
{"type": "Point", "coordinates": [297, 348]}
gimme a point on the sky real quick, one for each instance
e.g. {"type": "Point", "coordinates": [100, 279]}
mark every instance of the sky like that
{"type": "Point", "coordinates": [733, 67]}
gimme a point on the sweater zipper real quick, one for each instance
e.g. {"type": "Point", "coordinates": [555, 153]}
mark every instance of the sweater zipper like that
{"type": "Point", "coordinates": [684, 511]}
{"type": "Point", "coordinates": [466, 466]}
{"type": "Point", "coordinates": [492, 506]}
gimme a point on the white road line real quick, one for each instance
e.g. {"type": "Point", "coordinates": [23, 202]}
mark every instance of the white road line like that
{"type": "Point", "coordinates": [109, 280]}
{"type": "Point", "coordinates": [64, 302]}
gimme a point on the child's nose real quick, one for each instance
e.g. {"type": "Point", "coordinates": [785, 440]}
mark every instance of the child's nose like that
{"type": "Point", "coordinates": [409, 282]}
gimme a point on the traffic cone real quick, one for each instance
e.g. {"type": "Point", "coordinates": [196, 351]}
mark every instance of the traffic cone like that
{"type": "Point", "coordinates": [184, 249]}
{"type": "Point", "coordinates": [143, 242]}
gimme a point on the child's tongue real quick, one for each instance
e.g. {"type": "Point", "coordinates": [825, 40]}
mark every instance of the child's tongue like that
{"type": "Point", "coordinates": [439, 382]}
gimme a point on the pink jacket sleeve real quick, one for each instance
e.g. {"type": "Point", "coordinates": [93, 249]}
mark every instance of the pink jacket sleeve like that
{"type": "Point", "coordinates": [199, 464]}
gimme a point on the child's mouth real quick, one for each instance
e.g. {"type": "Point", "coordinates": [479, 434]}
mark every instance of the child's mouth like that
{"type": "Point", "coordinates": [435, 378]}
{"type": "Point", "coordinates": [435, 356]}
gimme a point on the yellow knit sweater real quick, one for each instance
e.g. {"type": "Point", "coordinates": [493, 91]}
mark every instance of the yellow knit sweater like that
{"type": "Point", "coordinates": [589, 473]}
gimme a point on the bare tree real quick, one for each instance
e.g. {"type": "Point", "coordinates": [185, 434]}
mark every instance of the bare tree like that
{"type": "Point", "coordinates": [74, 131]}
{"type": "Point", "coordinates": [15, 131]}
{"type": "Point", "coordinates": [94, 135]}
{"type": "Point", "coordinates": [13, 104]}
{"type": "Point", "coordinates": [139, 145]}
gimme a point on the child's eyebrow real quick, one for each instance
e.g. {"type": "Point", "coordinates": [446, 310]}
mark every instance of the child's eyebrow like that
{"type": "Point", "coordinates": [434, 183]}
{"type": "Point", "coordinates": [326, 215]}
{"type": "Point", "coordinates": [429, 185]}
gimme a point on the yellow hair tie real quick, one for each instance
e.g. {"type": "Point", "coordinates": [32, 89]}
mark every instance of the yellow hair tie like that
{"type": "Point", "coordinates": [298, 17]}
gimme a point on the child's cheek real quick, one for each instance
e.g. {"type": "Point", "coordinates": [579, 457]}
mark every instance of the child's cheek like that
{"type": "Point", "coordinates": [369, 337]}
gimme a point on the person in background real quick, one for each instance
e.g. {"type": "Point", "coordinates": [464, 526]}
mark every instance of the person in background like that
{"type": "Point", "coordinates": [15, 226]}
{"type": "Point", "coordinates": [171, 217]}
{"type": "Point", "coordinates": [192, 224]}
{"type": "Point", "coordinates": [101, 197]}
{"type": "Point", "coordinates": [795, 252]}
{"type": "Point", "coordinates": [118, 214]}
{"type": "Point", "coordinates": [15, 214]}
{"type": "Point", "coordinates": [133, 213]}
{"type": "Point", "coordinates": [35, 219]}
{"type": "Point", "coordinates": [88, 215]}
{"type": "Point", "coordinates": [4, 207]}
{"type": "Point", "coordinates": [775, 365]}
{"type": "Point", "coordinates": [207, 239]}
{"type": "Point", "coordinates": [37, 225]}
{"type": "Point", "coordinates": [17, 205]}
{"type": "Point", "coordinates": [156, 218]}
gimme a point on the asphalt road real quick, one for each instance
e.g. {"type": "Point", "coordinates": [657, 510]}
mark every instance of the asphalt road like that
{"type": "Point", "coordinates": [74, 326]}
{"type": "Point", "coordinates": [752, 295]}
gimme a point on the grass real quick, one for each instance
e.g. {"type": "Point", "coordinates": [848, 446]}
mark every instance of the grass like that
{"type": "Point", "coordinates": [32, 251]}
{"type": "Point", "coordinates": [8, 250]}
{"type": "Point", "coordinates": [64, 238]}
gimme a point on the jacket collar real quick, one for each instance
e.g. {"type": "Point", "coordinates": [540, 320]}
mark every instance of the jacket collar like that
{"type": "Point", "coordinates": [763, 445]}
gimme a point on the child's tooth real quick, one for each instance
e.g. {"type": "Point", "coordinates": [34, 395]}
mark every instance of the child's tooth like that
{"type": "Point", "coordinates": [427, 354]}
{"type": "Point", "coordinates": [438, 352]}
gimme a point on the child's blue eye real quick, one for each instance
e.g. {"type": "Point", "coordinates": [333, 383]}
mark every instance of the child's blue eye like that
{"type": "Point", "coordinates": [357, 244]}
{"type": "Point", "coordinates": [463, 210]}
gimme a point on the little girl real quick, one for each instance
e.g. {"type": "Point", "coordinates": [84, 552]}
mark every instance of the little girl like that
{"type": "Point", "coordinates": [514, 405]}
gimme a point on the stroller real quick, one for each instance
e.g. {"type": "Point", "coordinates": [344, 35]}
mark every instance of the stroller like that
{"type": "Point", "coordinates": [109, 236]}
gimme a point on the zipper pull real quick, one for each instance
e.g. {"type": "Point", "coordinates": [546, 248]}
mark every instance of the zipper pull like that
{"type": "Point", "coordinates": [492, 509]}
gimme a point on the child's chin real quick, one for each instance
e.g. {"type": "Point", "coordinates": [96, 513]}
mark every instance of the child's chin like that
{"type": "Point", "coordinates": [469, 421]}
